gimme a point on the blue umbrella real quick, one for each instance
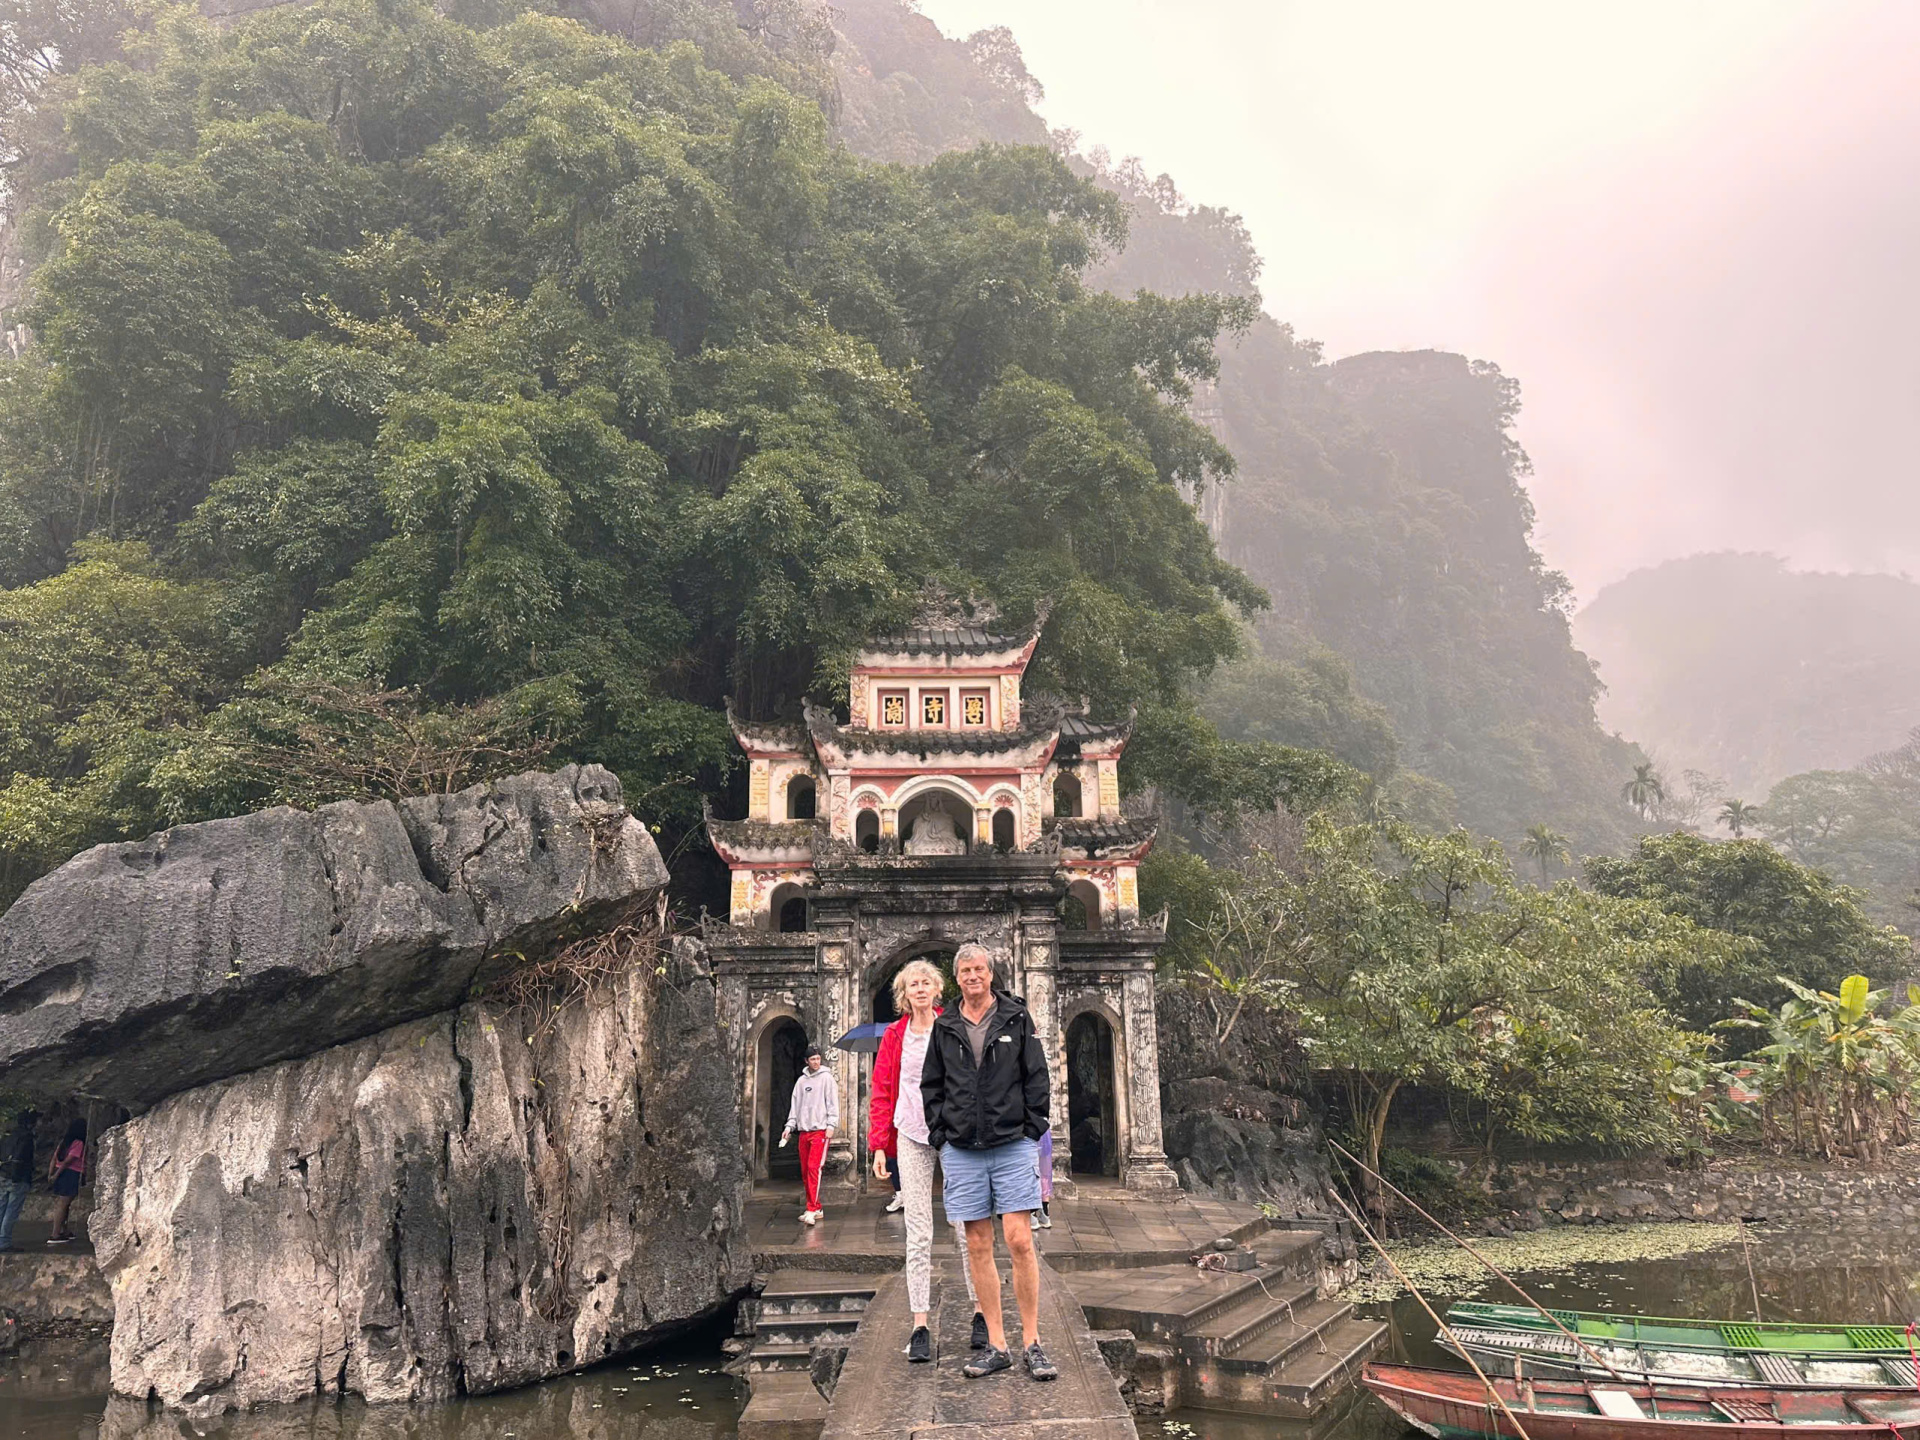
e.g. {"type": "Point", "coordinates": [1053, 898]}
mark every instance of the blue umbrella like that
{"type": "Point", "coordinates": [862, 1039]}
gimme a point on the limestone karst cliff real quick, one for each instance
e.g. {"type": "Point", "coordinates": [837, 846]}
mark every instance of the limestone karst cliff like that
{"type": "Point", "coordinates": [139, 969]}
{"type": "Point", "coordinates": [453, 1206]}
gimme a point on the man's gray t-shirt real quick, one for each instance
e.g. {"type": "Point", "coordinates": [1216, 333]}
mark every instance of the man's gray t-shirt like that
{"type": "Point", "coordinates": [977, 1034]}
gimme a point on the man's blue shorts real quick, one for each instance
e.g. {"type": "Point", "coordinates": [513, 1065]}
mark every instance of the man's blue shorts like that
{"type": "Point", "coordinates": [984, 1183]}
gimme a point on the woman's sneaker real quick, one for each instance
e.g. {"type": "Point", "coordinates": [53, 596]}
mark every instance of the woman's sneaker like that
{"type": "Point", "coordinates": [988, 1362]}
{"type": "Point", "coordinates": [1043, 1220]}
{"type": "Point", "coordinates": [1038, 1365]}
{"type": "Point", "coordinates": [810, 1217]}
{"type": "Point", "coordinates": [898, 1203]}
{"type": "Point", "coordinates": [980, 1340]}
{"type": "Point", "coordinates": [920, 1347]}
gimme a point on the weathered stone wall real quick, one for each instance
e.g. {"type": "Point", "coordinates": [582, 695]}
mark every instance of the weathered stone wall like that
{"type": "Point", "coordinates": [138, 970]}
{"type": "Point", "coordinates": [1582, 1192]}
{"type": "Point", "coordinates": [455, 1205]}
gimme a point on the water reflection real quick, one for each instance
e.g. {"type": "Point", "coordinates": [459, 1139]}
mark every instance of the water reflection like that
{"type": "Point", "coordinates": [57, 1390]}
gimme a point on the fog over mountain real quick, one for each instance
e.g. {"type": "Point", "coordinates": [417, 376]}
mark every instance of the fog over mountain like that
{"type": "Point", "coordinates": [1687, 230]}
{"type": "Point", "coordinates": [1738, 666]}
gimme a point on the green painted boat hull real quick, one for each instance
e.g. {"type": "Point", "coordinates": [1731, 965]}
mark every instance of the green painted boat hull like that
{"type": "Point", "coordinates": [1685, 1351]}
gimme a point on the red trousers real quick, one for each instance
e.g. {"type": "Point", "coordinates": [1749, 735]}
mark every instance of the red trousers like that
{"type": "Point", "coordinates": [813, 1153]}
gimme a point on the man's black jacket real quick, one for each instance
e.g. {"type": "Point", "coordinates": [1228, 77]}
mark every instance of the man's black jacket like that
{"type": "Point", "coordinates": [1004, 1098]}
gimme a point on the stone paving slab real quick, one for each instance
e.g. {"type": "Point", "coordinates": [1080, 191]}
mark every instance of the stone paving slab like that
{"type": "Point", "coordinates": [881, 1397]}
{"type": "Point", "coordinates": [1104, 1225]}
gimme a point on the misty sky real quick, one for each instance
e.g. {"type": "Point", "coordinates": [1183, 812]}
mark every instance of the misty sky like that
{"type": "Point", "coordinates": [1691, 228]}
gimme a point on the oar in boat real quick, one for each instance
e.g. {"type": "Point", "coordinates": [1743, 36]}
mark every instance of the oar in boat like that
{"type": "Point", "coordinates": [1400, 1275]}
{"type": "Point", "coordinates": [1592, 1354]}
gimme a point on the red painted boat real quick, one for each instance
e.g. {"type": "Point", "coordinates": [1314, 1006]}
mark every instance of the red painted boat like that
{"type": "Point", "coordinates": [1451, 1405]}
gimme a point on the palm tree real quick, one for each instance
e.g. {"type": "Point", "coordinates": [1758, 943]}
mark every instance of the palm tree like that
{"type": "Point", "coordinates": [1644, 790]}
{"type": "Point", "coordinates": [1737, 815]}
{"type": "Point", "coordinates": [1546, 845]}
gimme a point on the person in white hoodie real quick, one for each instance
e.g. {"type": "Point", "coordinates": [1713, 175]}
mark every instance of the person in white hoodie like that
{"type": "Point", "coordinates": [814, 1113]}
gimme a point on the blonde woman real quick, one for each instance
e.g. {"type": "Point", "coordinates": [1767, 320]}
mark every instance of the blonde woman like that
{"type": "Point", "coordinates": [898, 1124]}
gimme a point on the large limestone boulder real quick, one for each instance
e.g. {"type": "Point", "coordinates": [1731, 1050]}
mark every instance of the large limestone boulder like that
{"type": "Point", "coordinates": [455, 1205]}
{"type": "Point", "coordinates": [140, 969]}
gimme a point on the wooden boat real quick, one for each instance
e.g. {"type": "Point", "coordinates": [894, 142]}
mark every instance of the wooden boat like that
{"type": "Point", "coordinates": [1455, 1406]}
{"type": "Point", "coordinates": [1714, 1352]}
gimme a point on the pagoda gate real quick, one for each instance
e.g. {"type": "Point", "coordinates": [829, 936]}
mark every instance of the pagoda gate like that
{"type": "Point", "coordinates": [947, 808]}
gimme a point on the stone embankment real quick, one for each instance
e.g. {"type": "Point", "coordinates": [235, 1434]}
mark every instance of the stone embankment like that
{"type": "Point", "coordinates": [352, 1168]}
{"type": "Point", "coordinates": [1531, 1193]}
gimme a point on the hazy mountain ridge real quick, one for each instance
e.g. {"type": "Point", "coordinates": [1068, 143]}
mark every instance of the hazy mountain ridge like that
{"type": "Point", "coordinates": [1733, 664]}
{"type": "Point", "coordinates": [1379, 498]}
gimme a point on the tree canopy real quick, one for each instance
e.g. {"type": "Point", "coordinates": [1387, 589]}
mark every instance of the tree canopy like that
{"type": "Point", "coordinates": [1794, 920]}
{"type": "Point", "coordinates": [517, 362]}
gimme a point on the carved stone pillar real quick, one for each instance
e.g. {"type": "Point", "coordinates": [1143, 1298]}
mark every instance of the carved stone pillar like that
{"type": "Point", "coordinates": [1041, 962]}
{"type": "Point", "coordinates": [1146, 1166]}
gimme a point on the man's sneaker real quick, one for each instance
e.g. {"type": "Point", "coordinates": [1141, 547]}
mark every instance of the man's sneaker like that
{"type": "Point", "coordinates": [980, 1340]}
{"type": "Point", "coordinates": [1038, 1365]}
{"type": "Point", "coordinates": [1043, 1220]}
{"type": "Point", "coordinates": [810, 1217]}
{"type": "Point", "coordinates": [898, 1203]}
{"type": "Point", "coordinates": [988, 1362]}
{"type": "Point", "coordinates": [920, 1347]}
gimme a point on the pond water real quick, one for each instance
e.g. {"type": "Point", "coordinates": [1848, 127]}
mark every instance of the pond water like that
{"type": "Point", "coordinates": [57, 1389]}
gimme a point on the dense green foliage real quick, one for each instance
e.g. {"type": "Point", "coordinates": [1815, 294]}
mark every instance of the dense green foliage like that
{"type": "Point", "coordinates": [1833, 1073]}
{"type": "Point", "coordinates": [1406, 958]}
{"type": "Point", "coordinates": [1861, 826]}
{"type": "Point", "coordinates": [1796, 923]}
{"type": "Point", "coordinates": [525, 367]}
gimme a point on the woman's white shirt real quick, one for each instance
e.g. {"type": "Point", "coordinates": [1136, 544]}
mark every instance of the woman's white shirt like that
{"type": "Point", "coordinates": [909, 1113]}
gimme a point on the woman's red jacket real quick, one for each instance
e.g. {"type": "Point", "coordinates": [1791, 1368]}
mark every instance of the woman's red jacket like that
{"type": "Point", "coordinates": [886, 1087]}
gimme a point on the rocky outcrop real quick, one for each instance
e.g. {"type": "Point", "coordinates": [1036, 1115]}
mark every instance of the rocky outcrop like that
{"type": "Point", "coordinates": [140, 969]}
{"type": "Point", "coordinates": [455, 1205]}
{"type": "Point", "coordinates": [1243, 1143]}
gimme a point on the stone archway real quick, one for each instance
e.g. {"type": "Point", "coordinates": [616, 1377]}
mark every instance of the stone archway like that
{"type": "Point", "coordinates": [777, 1056]}
{"type": "Point", "coordinates": [1096, 1129]}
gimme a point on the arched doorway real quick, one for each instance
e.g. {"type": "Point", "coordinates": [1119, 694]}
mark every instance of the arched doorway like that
{"type": "Point", "coordinates": [1081, 909]}
{"type": "Point", "coordinates": [959, 813]}
{"type": "Point", "coordinates": [800, 798]}
{"type": "Point", "coordinates": [1066, 798]}
{"type": "Point", "coordinates": [866, 832]}
{"type": "Point", "coordinates": [1004, 834]}
{"type": "Point", "coordinates": [787, 909]}
{"type": "Point", "coordinates": [779, 1057]}
{"type": "Point", "coordinates": [1093, 1111]}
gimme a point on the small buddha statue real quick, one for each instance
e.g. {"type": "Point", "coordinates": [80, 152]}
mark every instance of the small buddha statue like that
{"type": "Point", "coordinates": [934, 832]}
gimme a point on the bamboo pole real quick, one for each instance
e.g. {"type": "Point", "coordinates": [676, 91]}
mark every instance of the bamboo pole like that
{"type": "Point", "coordinates": [1401, 1275]}
{"type": "Point", "coordinates": [1592, 1354]}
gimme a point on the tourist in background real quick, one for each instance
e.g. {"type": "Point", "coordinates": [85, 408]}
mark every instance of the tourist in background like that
{"type": "Point", "coordinates": [814, 1112]}
{"type": "Point", "coordinates": [16, 1173]}
{"type": "Point", "coordinates": [987, 1095]}
{"type": "Point", "coordinates": [897, 1123]}
{"type": "Point", "coordinates": [67, 1168]}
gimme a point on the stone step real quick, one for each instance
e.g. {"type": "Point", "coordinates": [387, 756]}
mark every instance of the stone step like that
{"type": "Point", "coordinates": [1309, 1380]}
{"type": "Point", "coordinates": [1258, 1311]}
{"type": "Point", "coordinates": [1163, 1301]}
{"type": "Point", "coordinates": [768, 1355]}
{"type": "Point", "coordinates": [1270, 1347]}
{"type": "Point", "coordinates": [1291, 1252]}
{"type": "Point", "coordinates": [783, 1406]}
{"type": "Point", "coordinates": [806, 1329]}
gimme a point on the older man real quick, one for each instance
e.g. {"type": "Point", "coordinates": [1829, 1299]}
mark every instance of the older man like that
{"type": "Point", "coordinates": [987, 1100]}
